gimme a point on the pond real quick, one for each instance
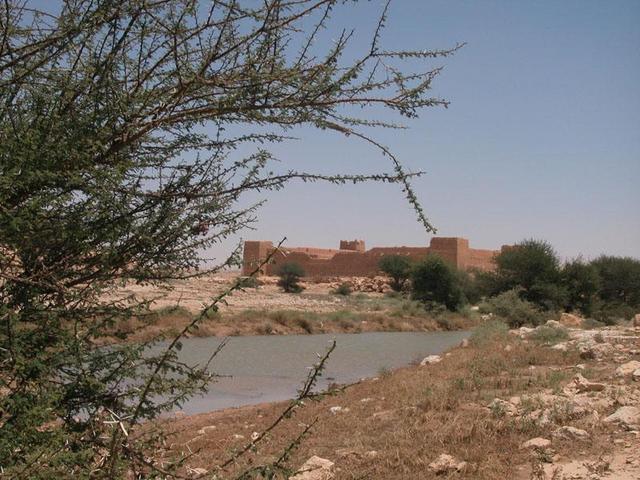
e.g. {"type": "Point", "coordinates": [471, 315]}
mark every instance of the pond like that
{"type": "Point", "coordinates": [272, 368]}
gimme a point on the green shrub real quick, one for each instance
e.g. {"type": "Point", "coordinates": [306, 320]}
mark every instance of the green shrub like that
{"type": "Point", "coordinates": [435, 280]}
{"type": "Point", "coordinates": [513, 309]}
{"type": "Point", "coordinates": [398, 268]}
{"type": "Point", "coordinates": [290, 275]}
{"type": "Point", "coordinates": [473, 285]}
{"type": "Point", "coordinates": [613, 313]}
{"type": "Point", "coordinates": [619, 280]}
{"type": "Point", "coordinates": [534, 267]}
{"type": "Point", "coordinates": [548, 335]}
{"type": "Point", "coordinates": [343, 289]}
{"type": "Point", "coordinates": [582, 282]}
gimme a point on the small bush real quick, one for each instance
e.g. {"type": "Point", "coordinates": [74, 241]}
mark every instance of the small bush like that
{"type": "Point", "coordinates": [290, 275]}
{"type": "Point", "coordinates": [549, 335]}
{"type": "Point", "coordinates": [493, 330]}
{"type": "Point", "coordinates": [612, 313]}
{"type": "Point", "coordinates": [590, 324]}
{"type": "Point", "coordinates": [435, 280]}
{"type": "Point", "coordinates": [305, 324]}
{"type": "Point", "coordinates": [514, 310]}
{"type": "Point", "coordinates": [398, 268]}
{"type": "Point", "coordinates": [249, 282]}
{"type": "Point", "coordinates": [343, 289]}
{"type": "Point", "coordinates": [173, 310]}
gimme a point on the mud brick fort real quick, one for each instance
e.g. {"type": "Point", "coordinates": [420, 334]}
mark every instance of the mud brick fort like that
{"type": "Point", "coordinates": [352, 259]}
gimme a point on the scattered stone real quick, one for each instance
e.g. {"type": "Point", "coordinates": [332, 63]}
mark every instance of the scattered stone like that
{"type": "Point", "coordinates": [366, 400]}
{"type": "Point", "coordinates": [627, 369]}
{"type": "Point", "coordinates": [237, 436]}
{"type": "Point", "coordinates": [198, 471]}
{"type": "Point", "coordinates": [537, 443]}
{"type": "Point", "coordinates": [553, 324]}
{"type": "Point", "coordinates": [570, 433]}
{"type": "Point", "coordinates": [570, 320]}
{"type": "Point", "coordinates": [563, 346]}
{"type": "Point", "coordinates": [522, 332]}
{"type": "Point", "coordinates": [581, 384]}
{"type": "Point", "coordinates": [316, 468]}
{"type": "Point", "coordinates": [206, 430]}
{"type": "Point", "coordinates": [384, 415]}
{"type": "Point", "coordinates": [464, 343]}
{"type": "Point", "coordinates": [255, 436]}
{"type": "Point", "coordinates": [636, 375]}
{"type": "Point", "coordinates": [337, 409]}
{"type": "Point", "coordinates": [628, 417]}
{"type": "Point", "coordinates": [445, 464]}
{"type": "Point", "coordinates": [508, 348]}
{"type": "Point", "coordinates": [502, 406]}
{"type": "Point", "coordinates": [430, 360]}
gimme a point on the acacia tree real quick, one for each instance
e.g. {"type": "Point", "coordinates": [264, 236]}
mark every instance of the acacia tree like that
{"type": "Point", "coordinates": [121, 127]}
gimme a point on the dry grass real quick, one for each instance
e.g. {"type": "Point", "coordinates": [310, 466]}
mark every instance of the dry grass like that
{"type": "Point", "coordinates": [408, 418]}
{"type": "Point", "coordinates": [360, 313]}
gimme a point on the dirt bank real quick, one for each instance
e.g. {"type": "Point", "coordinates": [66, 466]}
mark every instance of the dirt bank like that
{"type": "Point", "coordinates": [266, 310]}
{"type": "Point", "coordinates": [480, 404]}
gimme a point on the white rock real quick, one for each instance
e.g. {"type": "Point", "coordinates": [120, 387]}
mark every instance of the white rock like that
{"type": "Point", "coordinates": [636, 375]}
{"type": "Point", "coordinates": [198, 471]}
{"type": "Point", "coordinates": [581, 384]}
{"type": "Point", "coordinates": [316, 468]}
{"type": "Point", "coordinates": [446, 463]}
{"type": "Point", "coordinates": [627, 369]}
{"type": "Point", "coordinates": [553, 324]}
{"type": "Point", "coordinates": [338, 409]}
{"type": "Point", "coordinates": [536, 443]}
{"type": "Point", "coordinates": [464, 343]}
{"type": "Point", "coordinates": [207, 429]}
{"type": "Point", "coordinates": [430, 360]}
{"type": "Point", "coordinates": [570, 433]}
{"type": "Point", "coordinates": [628, 417]}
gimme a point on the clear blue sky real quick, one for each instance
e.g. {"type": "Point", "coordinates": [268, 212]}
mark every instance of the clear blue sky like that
{"type": "Point", "coordinates": [542, 138]}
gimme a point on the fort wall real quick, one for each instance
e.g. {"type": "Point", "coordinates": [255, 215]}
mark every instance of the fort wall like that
{"type": "Point", "coordinates": [352, 259]}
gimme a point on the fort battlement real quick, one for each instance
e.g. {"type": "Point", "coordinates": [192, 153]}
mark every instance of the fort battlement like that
{"type": "Point", "coordinates": [352, 258]}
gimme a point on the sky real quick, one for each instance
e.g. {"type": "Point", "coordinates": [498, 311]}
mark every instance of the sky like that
{"type": "Point", "coordinates": [541, 140]}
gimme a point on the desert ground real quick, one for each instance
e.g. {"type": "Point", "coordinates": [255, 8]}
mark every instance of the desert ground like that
{"type": "Point", "coordinates": [551, 403]}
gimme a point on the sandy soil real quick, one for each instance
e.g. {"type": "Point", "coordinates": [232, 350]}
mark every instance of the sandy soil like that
{"type": "Point", "coordinates": [194, 293]}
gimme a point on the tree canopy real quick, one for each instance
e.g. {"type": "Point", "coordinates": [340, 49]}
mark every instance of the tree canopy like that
{"type": "Point", "coordinates": [124, 127]}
